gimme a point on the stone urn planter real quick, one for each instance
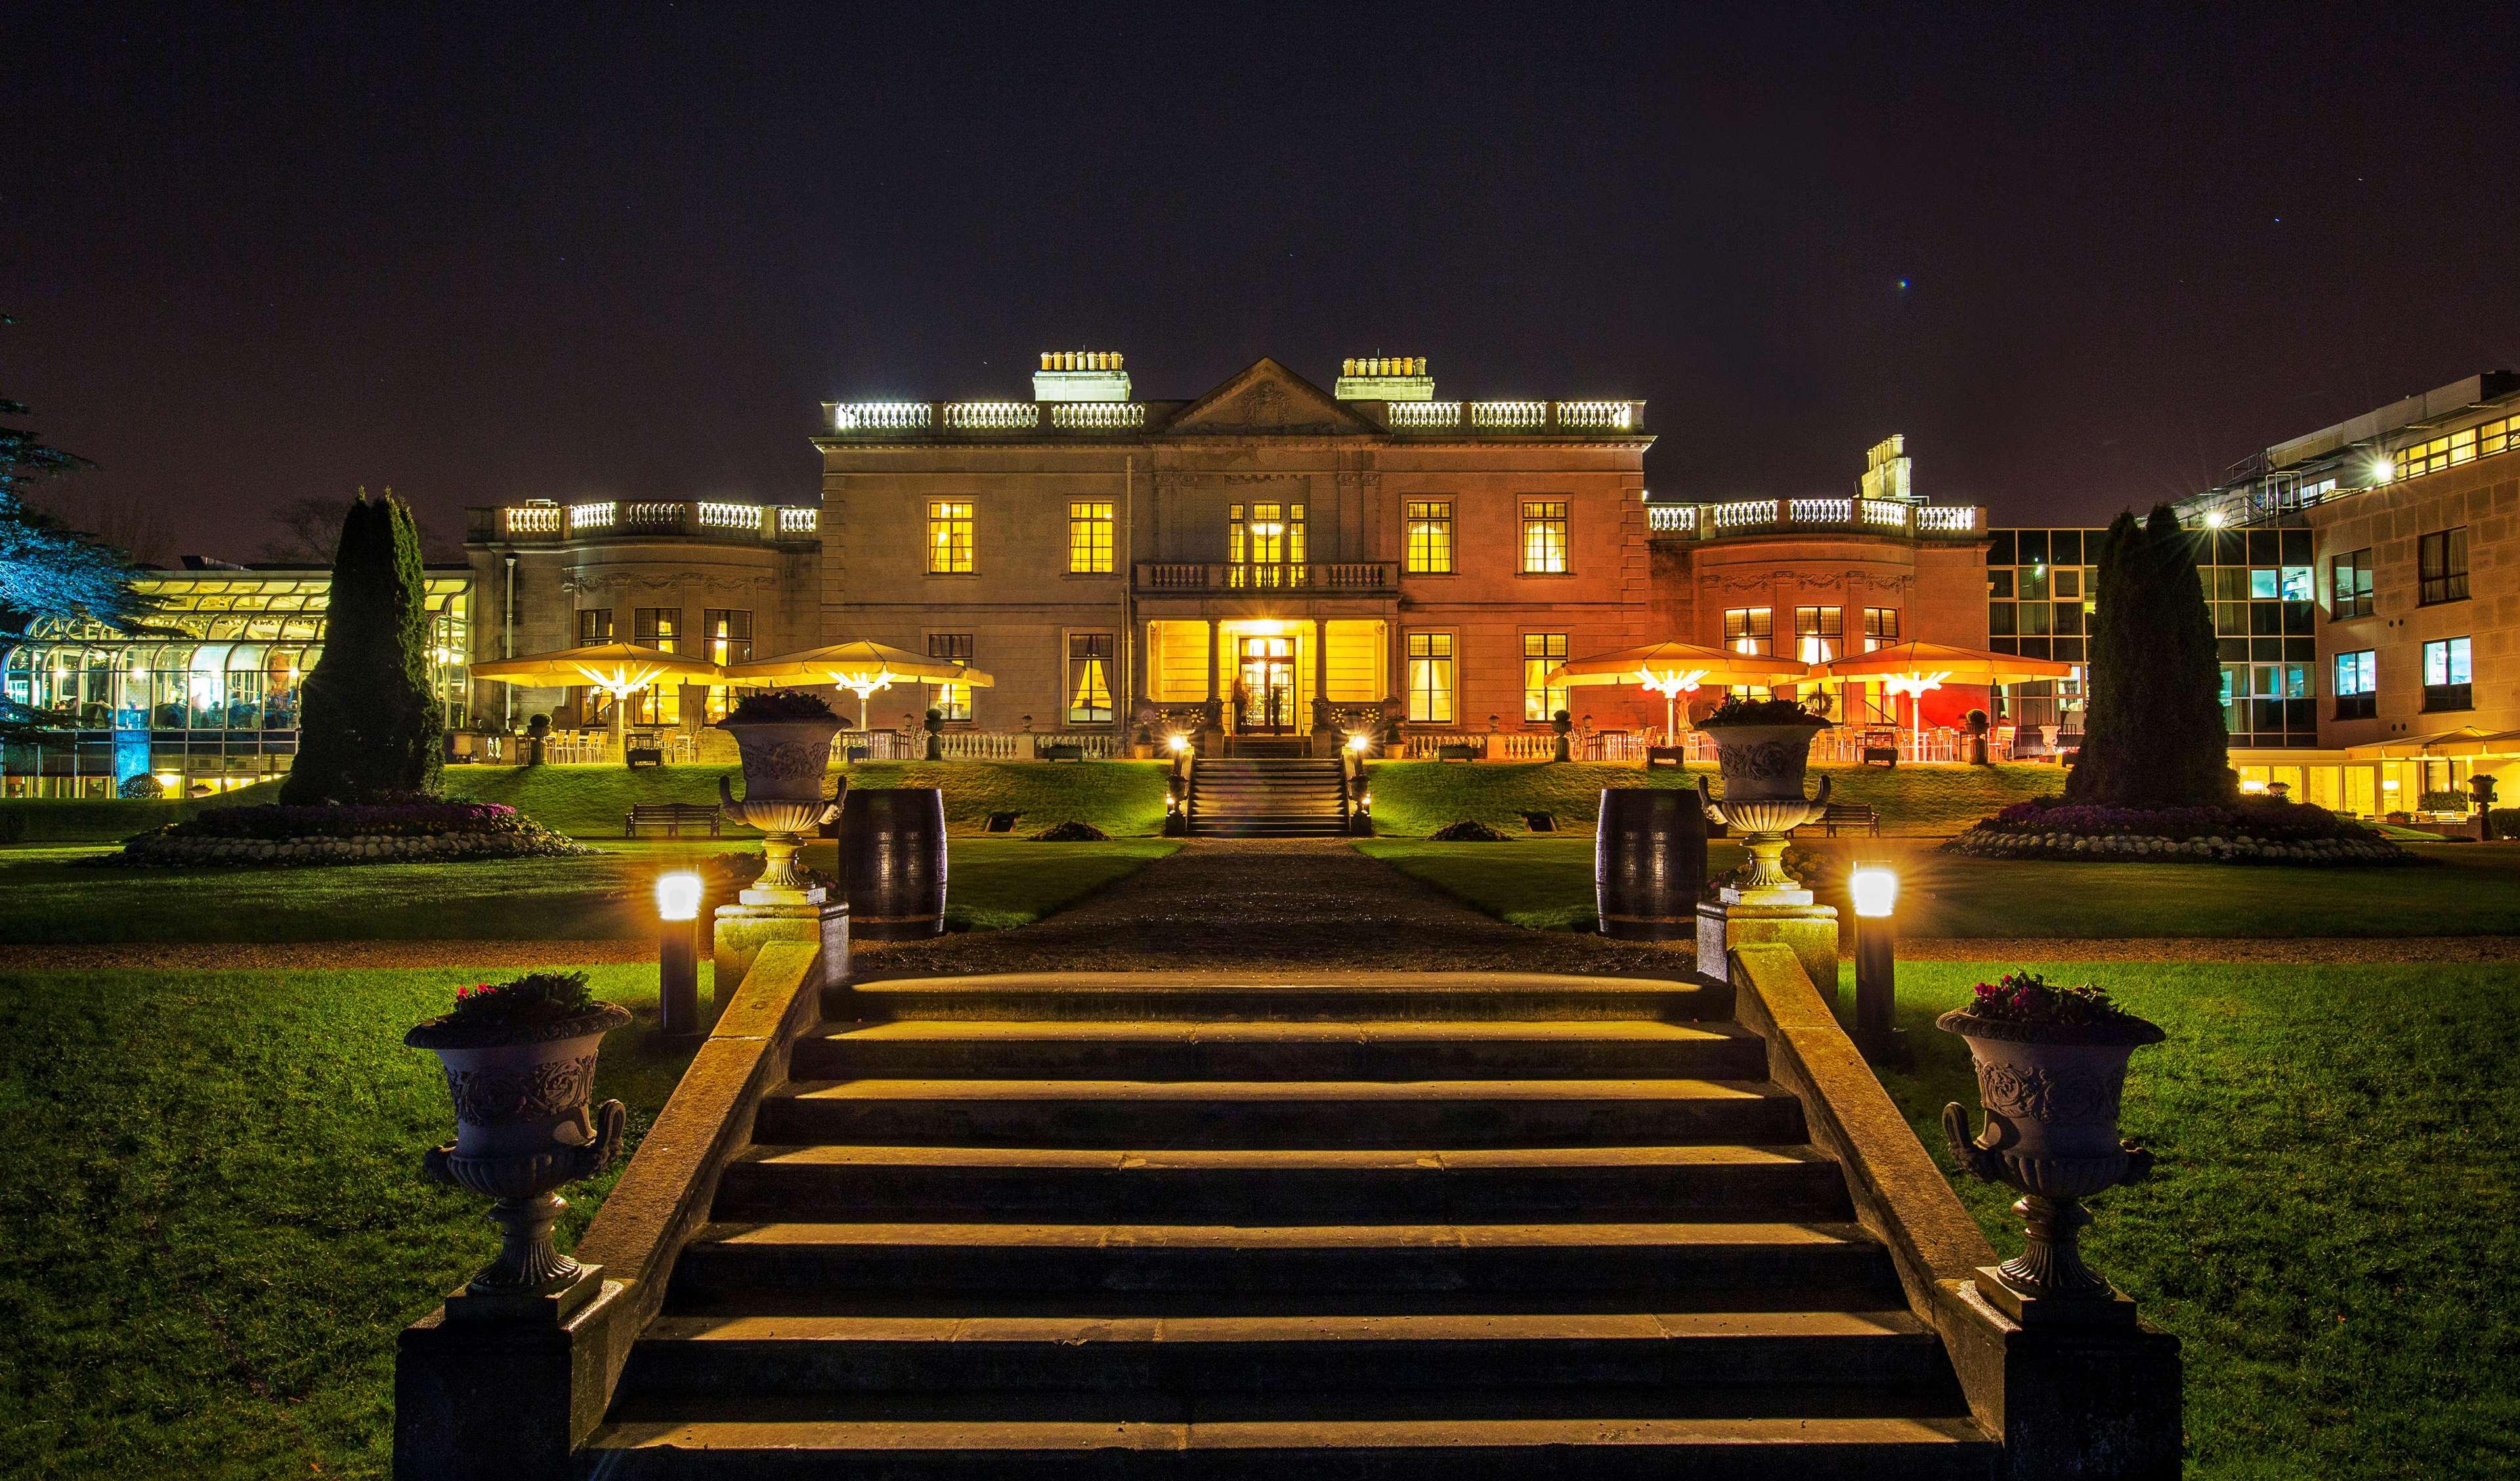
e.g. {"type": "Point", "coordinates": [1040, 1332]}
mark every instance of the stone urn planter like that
{"type": "Point", "coordinates": [523, 1129]}
{"type": "Point", "coordinates": [1763, 749]}
{"type": "Point", "coordinates": [785, 748]}
{"type": "Point", "coordinates": [2050, 1090]}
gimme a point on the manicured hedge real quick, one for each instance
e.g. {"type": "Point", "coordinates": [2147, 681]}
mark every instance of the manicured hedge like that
{"type": "Point", "coordinates": [2251, 831]}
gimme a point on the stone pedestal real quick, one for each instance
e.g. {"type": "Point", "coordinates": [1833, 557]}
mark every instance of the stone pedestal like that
{"type": "Point", "coordinates": [762, 916]}
{"type": "Point", "coordinates": [1810, 931]}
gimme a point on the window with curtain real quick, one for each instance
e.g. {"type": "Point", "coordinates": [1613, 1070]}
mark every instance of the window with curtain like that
{"type": "Point", "coordinates": [1880, 627]}
{"type": "Point", "coordinates": [1088, 537]}
{"type": "Point", "coordinates": [1265, 547]}
{"type": "Point", "coordinates": [1089, 678]}
{"type": "Point", "coordinates": [1816, 631]}
{"type": "Point", "coordinates": [1749, 630]}
{"type": "Point", "coordinates": [1544, 537]}
{"type": "Point", "coordinates": [949, 537]}
{"type": "Point", "coordinates": [2441, 560]}
{"type": "Point", "coordinates": [657, 627]}
{"type": "Point", "coordinates": [1431, 538]}
{"type": "Point", "coordinates": [1542, 652]}
{"type": "Point", "coordinates": [1431, 678]}
{"type": "Point", "coordinates": [954, 699]}
{"type": "Point", "coordinates": [594, 625]}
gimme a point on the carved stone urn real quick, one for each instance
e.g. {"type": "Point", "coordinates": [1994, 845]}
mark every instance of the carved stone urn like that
{"type": "Point", "coordinates": [1763, 767]}
{"type": "Point", "coordinates": [2050, 1092]}
{"type": "Point", "coordinates": [783, 766]}
{"type": "Point", "coordinates": [523, 1131]}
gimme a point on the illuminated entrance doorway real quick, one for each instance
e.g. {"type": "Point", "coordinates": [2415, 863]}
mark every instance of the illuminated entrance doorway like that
{"type": "Point", "coordinates": [1268, 689]}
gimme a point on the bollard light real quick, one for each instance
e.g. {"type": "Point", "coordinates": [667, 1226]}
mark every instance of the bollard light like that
{"type": "Point", "coordinates": [1178, 741]}
{"type": "Point", "coordinates": [1360, 743]}
{"type": "Point", "coordinates": [1874, 890]}
{"type": "Point", "coordinates": [677, 954]}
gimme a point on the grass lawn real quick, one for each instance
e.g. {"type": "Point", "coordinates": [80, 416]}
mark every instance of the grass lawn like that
{"type": "Point", "coordinates": [2330, 1229]}
{"type": "Point", "coordinates": [214, 1222]}
{"type": "Point", "coordinates": [1417, 797]}
{"type": "Point", "coordinates": [47, 895]}
{"type": "Point", "coordinates": [2468, 889]}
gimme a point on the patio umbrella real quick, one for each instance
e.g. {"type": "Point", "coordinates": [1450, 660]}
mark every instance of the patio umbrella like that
{"type": "Point", "coordinates": [1911, 668]}
{"type": "Point", "coordinates": [862, 667]}
{"type": "Point", "coordinates": [619, 669]}
{"type": "Point", "coordinates": [1673, 669]}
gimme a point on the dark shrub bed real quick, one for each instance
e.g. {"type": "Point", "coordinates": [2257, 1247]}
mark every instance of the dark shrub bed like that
{"type": "Point", "coordinates": [1468, 830]}
{"type": "Point", "coordinates": [1071, 832]}
{"type": "Point", "coordinates": [426, 831]}
{"type": "Point", "coordinates": [2253, 831]}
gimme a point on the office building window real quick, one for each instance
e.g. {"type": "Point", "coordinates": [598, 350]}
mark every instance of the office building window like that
{"type": "Point", "coordinates": [2357, 685]}
{"type": "Point", "coordinates": [1430, 539]}
{"type": "Point", "coordinates": [594, 625]}
{"type": "Point", "coordinates": [2448, 682]}
{"type": "Point", "coordinates": [656, 627]}
{"type": "Point", "coordinates": [2349, 585]}
{"type": "Point", "coordinates": [1544, 536]}
{"type": "Point", "coordinates": [1749, 630]}
{"type": "Point", "coordinates": [954, 699]}
{"type": "Point", "coordinates": [1880, 627]}
{"type": "Point", "coordinates": [1089, 678]}
{"type": "Point", "coordinates": [2440, 565]}
{"type": "Point", "coordinates": [949, 537]}
{"type": "Point", "coordinates": [1816, 631]}
{"type": "Point", "coordinates": [2454, 448]}
{"type": "Point", "coordinates": [1542, 652]}
{"type": "Point", "coordinates": [1431, 678]}
{"type": "Point", "coordinates": [1088, 537]}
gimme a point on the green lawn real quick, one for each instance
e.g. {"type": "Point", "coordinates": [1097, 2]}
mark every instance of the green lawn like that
{"type": "Point", "coordinates": [214, 1221]}
{"type": "Point", "coordinates": [2329, 1231]}
{"type": "Point", "coordinates": [1414, 798]}
{"type": "Point", "coordinates": [48, 895]}
{"type": "Point", "coordinates": [2467, 889]}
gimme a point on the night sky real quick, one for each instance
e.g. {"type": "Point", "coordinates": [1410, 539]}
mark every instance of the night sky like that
{"type": "Point", "coordinates": [2083, 263]}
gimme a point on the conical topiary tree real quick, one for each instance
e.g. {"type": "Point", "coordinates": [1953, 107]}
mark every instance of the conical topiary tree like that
{"type": "Point", "coordinates": [2153, 734]}
{"type": "Point", "coordinates": [370, 727]}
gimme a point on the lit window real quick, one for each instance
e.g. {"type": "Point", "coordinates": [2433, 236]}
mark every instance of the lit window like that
{"type": "Point", "coordinates": [1880, 627]}
{"type": "Point", "coordinates": [954, 699]}
{"type": "Point", "coordinates": [1088, 537]}
{"type": "Point", "coordinates": [1544, 537]}
{"type": "Point", "coordinates": [2447, 676]}
{"type": "Point", "coordinates": [1749, 630]}
{"type": "Point", "coordinates": [1816, 631]}
{"type": "Point", "coordinates": [1542, 653]}
{"type": "Point", "coordinates": [728, 633]}
{"type": "Point", "coordinates": [594, 625]}
{"type": "Point", "coordinates": [1089, 678]}
{"type": "Point", "coordinates": [1265, 550]}
{"type": "Point", "coordinates": [1431, 678]}
{"type": "Point", "coordinates": [949, 538]}
{"type": "Point", "coordinates": [656, 627]}
{"type": "Point", "coordinates": [2264, 584]}
{"type": "Point", "coordinates": [1430, 539]}
{"type": "Point", "coordinates": [2441, 560]}
{"type": "Point", "coordinates": [2454, 448]}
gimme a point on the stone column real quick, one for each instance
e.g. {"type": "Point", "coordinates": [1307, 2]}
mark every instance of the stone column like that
{"type": "Point", "coordinates": [1211, 727]}
{"type": "Point", "coordinates": [1324, 733]}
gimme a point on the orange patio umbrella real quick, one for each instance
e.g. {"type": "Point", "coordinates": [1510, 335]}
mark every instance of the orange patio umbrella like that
{"type": "Point", "coordinates": [1673, 669]}
{"type": "Point", "coordinates": [619, 669]}
{"type": "Point", "coordinates": [863, 666]}
{"type": "Point", "coordinates": [1911, 668]}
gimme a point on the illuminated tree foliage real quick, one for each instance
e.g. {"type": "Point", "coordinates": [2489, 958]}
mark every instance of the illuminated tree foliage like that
{"type": "Point", "coordinates": [45, 566]}
{"type": "Point", "coordinates": [370, 727]}
{"type": "Point", "coordinates": [2153, 736]}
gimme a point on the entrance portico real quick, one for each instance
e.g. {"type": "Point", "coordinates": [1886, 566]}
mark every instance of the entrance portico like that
{"type": "Point", "coordinates": [1287, 675]}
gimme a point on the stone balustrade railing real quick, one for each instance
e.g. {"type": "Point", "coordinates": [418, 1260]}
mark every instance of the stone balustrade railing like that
{"type": "Point", "coordinates": [969, 744]}
{"type": "Point", "coordinates": [914, 420]}
{"type": "Point", "coordinates": [1328, 577]}
{"type": "Point", "coordinates": [1864, 517]}
{"type": "Point", "coordinates": [615, 518]}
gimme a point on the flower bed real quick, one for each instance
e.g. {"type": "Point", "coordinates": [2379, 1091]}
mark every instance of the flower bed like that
{"type": "Point", "coordinates": [2248, 832]}
{"type": "Point", "coordinates": [400, 833]}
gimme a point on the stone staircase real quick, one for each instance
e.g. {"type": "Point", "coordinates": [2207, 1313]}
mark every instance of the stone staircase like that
{"type": "Point", "coordinates": [1464, 1227]}
{"type": "Point", "coordinates": [1278, 798]}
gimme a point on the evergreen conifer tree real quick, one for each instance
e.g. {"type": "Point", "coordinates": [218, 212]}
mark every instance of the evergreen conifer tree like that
{"type": "Point", "coordinates": [370, 727]}
{"type": "Point", "coordinates": [2153, 734]}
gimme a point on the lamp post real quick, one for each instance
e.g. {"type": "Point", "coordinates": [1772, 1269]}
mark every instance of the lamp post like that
{"type": "Point", "coordinates": [1875, 892]}
{"type": "Point", "coordinates": [677, 954]}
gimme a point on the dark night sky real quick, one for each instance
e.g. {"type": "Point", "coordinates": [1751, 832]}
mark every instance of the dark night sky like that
{"type": "Point", "coordinates": [479, 257]}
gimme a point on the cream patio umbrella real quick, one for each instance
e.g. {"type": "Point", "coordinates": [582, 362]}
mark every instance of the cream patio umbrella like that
{"type": "Point", "coordinates": [1912, 668]}
{"type": "Point", "coordinates": [619, 669]}
{"type": "Point", "coordinates": [860, 667]}
{"type": "Point", "coordinates": [1674, 669]}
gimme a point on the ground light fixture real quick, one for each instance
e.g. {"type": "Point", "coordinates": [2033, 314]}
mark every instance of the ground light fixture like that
{"type": "Point", "coordinates": [678, 953]}
{"type": "Point", "coordinates": [1176, 742]}
{"type": "Point", "coordinates": [1874, 889]}
{"type": "Point", "coordinates": [1360, 742]}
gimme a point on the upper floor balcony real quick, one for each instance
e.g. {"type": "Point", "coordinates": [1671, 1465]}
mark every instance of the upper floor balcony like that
{"type": "Point", "coordinates": [1894, 518]}
{"type": "Point", "coordinates": [546, 522]}
{"type": "Point", "coordinates": [1225, 578]}
{"type": "Point", "coordinates": [1085, 420]}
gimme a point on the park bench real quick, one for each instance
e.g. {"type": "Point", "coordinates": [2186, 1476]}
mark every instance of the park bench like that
{"type": "Point", "coordinates": [1460, 752]}
{"type": "Point", "coordinates": [1840, 815]}
{"type": "Point", "coordinates": [1063, 751]}
{"type": "Point", "coordinates": [671, 817]}
{"type": "Point", "coordinates": [1666, 756]}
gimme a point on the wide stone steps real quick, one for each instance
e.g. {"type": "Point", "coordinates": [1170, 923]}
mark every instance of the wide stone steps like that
{"type": "Point", "coordinates": [1195, 1185]}
{"type": "Point", "coordinates": [1136, 998]}
{"type": "Point", "coordinates": [1266, 797]}
{"type": "Point", "coordinates": [1371, 1113]}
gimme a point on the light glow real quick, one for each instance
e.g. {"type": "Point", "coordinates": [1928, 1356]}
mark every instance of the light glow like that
{"type": "Point", "coordinates": [1176, 742]}
{"type": "Point", "coordinates": [1360, 742]}
{"type": "Point", "coordinates": [1875, 891]}
{"type": "Point", "coordinates": [2382, 470]}
{"type": "Point", "coordinates": [2213, 518]}
{"type": "Point", "coordinates": [678, 896]}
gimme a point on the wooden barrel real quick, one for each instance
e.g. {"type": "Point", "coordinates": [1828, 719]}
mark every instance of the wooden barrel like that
{"type": "Point", "coordinates": [892, 862]}
{"type": "Point", "coordinates": [1649, 863]}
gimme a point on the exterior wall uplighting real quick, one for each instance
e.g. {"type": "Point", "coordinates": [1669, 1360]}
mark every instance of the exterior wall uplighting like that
{"type": "Point", "coordinates": [1874, 889]}
{"type": "Point", "coordinates": [677, 954]}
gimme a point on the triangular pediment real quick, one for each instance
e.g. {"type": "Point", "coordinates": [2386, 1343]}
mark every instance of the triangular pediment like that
{"type": "Point", "coordinates": [1266, 400]}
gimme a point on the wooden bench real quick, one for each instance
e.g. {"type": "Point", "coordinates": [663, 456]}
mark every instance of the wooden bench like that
{"type": "Point", "coordinates": [1861, 815]}
{"type": "Point", "coordinates": [1063, 751]}
{"type": "Point", "coordinates": [1460, 752]}
{"type": "Point", "coordinates": [671, 817]}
